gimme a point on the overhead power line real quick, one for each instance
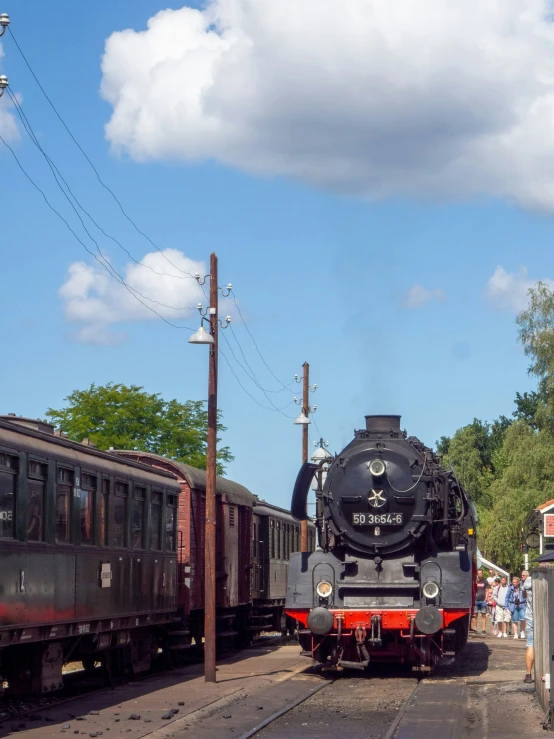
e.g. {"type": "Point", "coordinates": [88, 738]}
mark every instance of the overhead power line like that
{"type": "Point", "coordinates": [104, 264]}
{"type": "Point", "coordinates": [253, 379]}
{"type": "Point", "coordinates": [76, 204]}
{"type": "Point", "coordinates": [285, 387]}
{"type": "Point", "coordinates": [83, 152]}
{"type": "Point", "coordinates": [55, 170]}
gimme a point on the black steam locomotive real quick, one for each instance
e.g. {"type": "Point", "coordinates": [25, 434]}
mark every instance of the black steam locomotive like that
{"type": "Point", "coordinates": [392, 578]}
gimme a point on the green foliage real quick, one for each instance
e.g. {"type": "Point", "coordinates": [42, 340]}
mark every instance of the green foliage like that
{"type": "Point", "coordinates": [443, 445]}
{"type": "Point", "coordinates": [508, 467]}
{"type": "Point", "coordinates": [536, 332]}
{"type": "Point", "coordinates": [527, 406]}
{"type": "Point", "coordinates": [527, 480]}
{"type": "Point", "coordinates": [475, 453]}
{"type": "Point", "coordinates": [130, 418]}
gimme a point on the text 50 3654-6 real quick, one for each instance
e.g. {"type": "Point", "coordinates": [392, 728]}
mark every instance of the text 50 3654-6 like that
{"type": "Point", "coordinates": [382, 519]}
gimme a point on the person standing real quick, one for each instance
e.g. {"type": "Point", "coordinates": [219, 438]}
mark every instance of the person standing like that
{"type": "Point", "coordinates": [480, 607]}
{"type": "Point", "coordinates": [530, 651]}
{"type": "Point", "coordinates": [490, 605]}
{"type": "Point", "coordinates": [502, 616]}
{"type": "Point", "coordinates": [524, 576]}
{"type": "Point", "coordinates": [515, 603]}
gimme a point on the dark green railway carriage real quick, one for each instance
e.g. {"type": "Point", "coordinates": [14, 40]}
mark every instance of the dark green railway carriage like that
{"type": "Point", "coordinates": [87, 554]}
{"type": "Point", "coordinates": [276, 535]}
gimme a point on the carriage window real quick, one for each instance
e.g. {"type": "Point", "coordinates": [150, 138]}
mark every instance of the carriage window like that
{"type": "Point", "coordinates": [170, 520]}
{"type": "Point", "coordinates": [35, 510]}
{"type": "Point", "coordinates": [137, 524]}
{"type": "Point", "coordinates": [231, 515]}
{"type": "Point", "coordinates": [88, 494]}
{"type": "Point", "coordinates": [9, 466]}
{"type": "Point", "coordinates": [104, 511]}
{"type": "Point", "coordinates": [64, 485]}
{"type": "Point", "coordinates": [120, 513]}
{"type": "Point", "coordinates": [156, 519]}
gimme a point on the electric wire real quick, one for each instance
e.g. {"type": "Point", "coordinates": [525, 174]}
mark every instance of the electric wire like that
{"type": "Point", "coordinates": [279, 410]}
{"type": "Point", "coordinates": [252, 374]}
{"type": "Point", "coordinates": [285, 387]}
{"type": "Point", "coordinates": [101, 258]}
{"type": "Point", "coordinates": [106, 266]}
{"type": "Point", "coordinates": [54, 169]}
{"type": "Point", "coordinates": [78, 145]}
{"type": "Point", "coordinates": [317, 429]}
{"type": "Point", "coordinates": [237, 378]}
{"type": "Point", "coordinates": [30, 132]}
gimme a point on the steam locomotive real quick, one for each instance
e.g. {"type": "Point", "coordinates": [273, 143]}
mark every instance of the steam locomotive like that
{"type": "Point", "coordinates": [392, 578]}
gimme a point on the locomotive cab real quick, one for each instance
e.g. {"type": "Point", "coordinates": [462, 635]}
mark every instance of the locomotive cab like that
{"type": "Point", "coordinates": [393, 578]}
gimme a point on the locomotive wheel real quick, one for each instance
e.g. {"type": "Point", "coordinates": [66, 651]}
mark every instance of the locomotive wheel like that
{"type": "Point", "coordinates": [462, 632]}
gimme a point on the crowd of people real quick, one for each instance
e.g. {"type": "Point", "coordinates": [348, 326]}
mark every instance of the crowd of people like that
{"type": "Point", "coordinates": [510, 608]}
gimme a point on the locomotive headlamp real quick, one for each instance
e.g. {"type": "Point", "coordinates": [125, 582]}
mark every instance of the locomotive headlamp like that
{"type": "Point", "coordinates": [324, 589]}
{"type": "Point", "coordinates": [430, 589]}
{"type": "Point", "coordinates": [377, 467]}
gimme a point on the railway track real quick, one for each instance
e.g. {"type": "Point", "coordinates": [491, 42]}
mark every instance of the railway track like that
{"type": "Point", "coordinates": [356, 705]}
{"type": "Point", "coordinates": [79, 684]}
{"type": "Point", "coordinates": [261, 693]}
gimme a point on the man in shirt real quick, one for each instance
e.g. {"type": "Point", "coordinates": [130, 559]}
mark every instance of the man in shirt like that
{"type": "Point", "coordinates": [480, 608]}
{"type": "Point", "coordinates": [530, 651]}
{"type": "Point", "coordinates": [503, 615]}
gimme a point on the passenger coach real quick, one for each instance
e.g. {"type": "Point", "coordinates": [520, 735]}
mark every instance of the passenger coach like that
{"type": "Point", "coordinates": [87, 552]}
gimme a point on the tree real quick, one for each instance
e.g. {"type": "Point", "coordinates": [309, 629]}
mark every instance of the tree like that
{"type": "Point", "coordinates": [536, 334]}
{"type": "Point", "coordinates": [526, 481]}
{"type": "Point", "coordinates": [527, 406]}
{"type": "Point", "coordinates": [475, 453]}
{"type": "Point", "coordinates": [129, 418]}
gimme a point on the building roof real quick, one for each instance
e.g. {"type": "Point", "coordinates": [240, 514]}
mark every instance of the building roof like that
{"type": "Point", "coordinates": [544, 506]}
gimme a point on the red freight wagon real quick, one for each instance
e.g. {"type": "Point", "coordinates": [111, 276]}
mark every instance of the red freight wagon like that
{"type": "Point", "coordinates": [233, 549]}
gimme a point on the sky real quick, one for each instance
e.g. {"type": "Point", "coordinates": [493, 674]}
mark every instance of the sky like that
{"type": "Point", "coordinates": [377, 180]}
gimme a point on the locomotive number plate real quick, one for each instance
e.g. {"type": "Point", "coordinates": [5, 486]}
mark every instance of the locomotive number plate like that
{"type": "Point", "coordinates": [382, 519]}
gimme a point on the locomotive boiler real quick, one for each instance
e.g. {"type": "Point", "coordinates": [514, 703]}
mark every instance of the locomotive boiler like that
{"type": "Point", "coordinates": [391, 580]}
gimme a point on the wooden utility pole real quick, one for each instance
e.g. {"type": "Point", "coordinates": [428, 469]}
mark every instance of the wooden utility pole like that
{"type": "Point", "coordinates": [306, 411]}
{"type": "Point", "coordinates": [211, 456]}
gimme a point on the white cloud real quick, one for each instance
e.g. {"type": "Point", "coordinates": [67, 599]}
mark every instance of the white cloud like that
{"type": "Point", "coordinates": [8, 126]}
{"type": "Point", "coordinates": [509, 290]}
{"type": "Point", "coordinates": [417, 296]}
{"type": "Point", "coordinates": [97, 302]}
{"type": "Point", "coordinates": [367, 97]}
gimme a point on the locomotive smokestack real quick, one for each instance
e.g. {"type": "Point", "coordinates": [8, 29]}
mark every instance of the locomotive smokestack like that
{"type": "Point", "coordinates": [383, 424]}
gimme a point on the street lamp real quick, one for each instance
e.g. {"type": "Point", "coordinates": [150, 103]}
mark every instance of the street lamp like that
{"type": "Point", "coordinates": [201, 336]}
{"type": "Point", "coordinates": [3, 82]}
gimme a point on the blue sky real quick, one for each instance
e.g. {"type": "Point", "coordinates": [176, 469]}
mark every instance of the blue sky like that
{"type": "Point", "coordinates": [323, 259]}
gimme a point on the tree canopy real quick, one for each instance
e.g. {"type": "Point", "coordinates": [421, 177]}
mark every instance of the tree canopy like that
{"type": "Point", "coordinates": [508, 465]}
{"type": "Point", "coordinates": [127, 417]}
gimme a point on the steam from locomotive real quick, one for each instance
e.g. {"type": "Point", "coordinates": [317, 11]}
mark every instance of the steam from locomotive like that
{"type": "Point", "coordinates": [392, 579]}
